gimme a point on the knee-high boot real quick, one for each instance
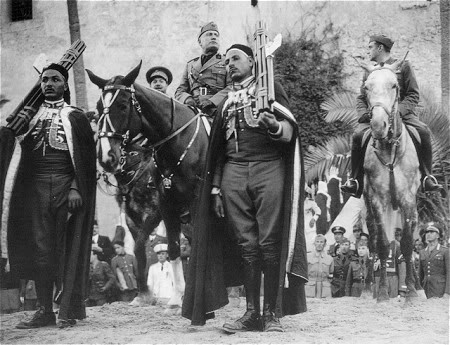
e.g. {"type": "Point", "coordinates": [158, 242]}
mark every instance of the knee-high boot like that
{"type": "Point", "coordinates": [251, 321]}
{"type": "Point", "coordinates": [354, 185]}
{"type": "Point", "coordinates": [271, 279]}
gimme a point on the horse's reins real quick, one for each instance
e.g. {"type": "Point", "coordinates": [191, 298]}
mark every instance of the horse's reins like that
{"type": "Point", "coordinates": [394, 141]}
{"type": "Point", "coordinates": [167, 181]}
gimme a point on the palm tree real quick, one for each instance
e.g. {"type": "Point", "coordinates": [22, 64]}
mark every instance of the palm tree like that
{"type": "Point", "coordinates": [342, 107]}
{"type": "Point", "coordinates": [444, 10]}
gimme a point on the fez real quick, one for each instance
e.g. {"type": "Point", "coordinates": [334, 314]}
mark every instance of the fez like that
{"type": "Point", "coordinates": [336, 229]}
{"type": "Point", "coordinates": [160, 247]}
{"type": "Point", "coordinates": [159, 71]}
{"type": "Point", "coordinates": [243, 48]}
{"type": "Point", "coordinates": [58, 68]}
{"type": "Point", "coordinates": [382, 39]}
{"type": "Point", "coordinates": [211, 26]}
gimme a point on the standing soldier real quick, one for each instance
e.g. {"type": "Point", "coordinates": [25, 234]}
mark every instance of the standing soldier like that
{"type": "Point", "coordinates": [205, 77]}
{"type": "Point", "coordinates": [159, 78]}
{"type": "Point", "coordinates": [49, 212]}
{"type": "Point", "coordinates": [434, 265]}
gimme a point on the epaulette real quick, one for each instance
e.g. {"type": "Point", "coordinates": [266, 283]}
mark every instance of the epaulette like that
{"type": "Point", "coordinates": [194, 59]}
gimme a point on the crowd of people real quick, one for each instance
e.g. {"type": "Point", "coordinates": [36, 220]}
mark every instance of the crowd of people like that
{"type": "Point", "coordinates": [252, 163]}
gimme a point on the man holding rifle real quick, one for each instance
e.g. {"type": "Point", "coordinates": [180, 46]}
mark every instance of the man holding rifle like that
{"type": "Point", "coordinates": [48, 212]}
{"type": "Point", "coordinates": [253, 153]}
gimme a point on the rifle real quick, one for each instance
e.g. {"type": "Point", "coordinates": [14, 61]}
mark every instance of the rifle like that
{"type": "Point", "coordinates": [29, 106]}
{"type": "Point", "coordinates": [264, 50]}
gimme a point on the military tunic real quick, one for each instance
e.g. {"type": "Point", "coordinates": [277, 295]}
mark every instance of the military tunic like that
{"type": "Point", "coordinates": [319, 269]}
{"type": "Point", "coordinates": [359, 276]}
{"type": "Point", "coordinates": [434, 271]}
{"type": "Point", "coordinates": [206, 81]}
{"type": "Point", "coordinates": [341, 264]}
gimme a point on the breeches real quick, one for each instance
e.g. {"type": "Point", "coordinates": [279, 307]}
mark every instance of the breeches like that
{"type": "Point", "coordinates": [253, 202]}
{"type": "Point", "coordinates": [48, 195]}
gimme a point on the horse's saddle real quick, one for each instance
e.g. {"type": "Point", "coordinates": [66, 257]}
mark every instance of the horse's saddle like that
{"type": "Point", "coordinates": [411, 130]}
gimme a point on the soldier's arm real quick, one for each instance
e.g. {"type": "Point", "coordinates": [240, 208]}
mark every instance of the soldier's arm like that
{"type": "Point", "coordinates": [411, 90]}
{"type": "Point", "coordinates": [361, 102]}
{"type": "Point", "coordinates": [183, 90]}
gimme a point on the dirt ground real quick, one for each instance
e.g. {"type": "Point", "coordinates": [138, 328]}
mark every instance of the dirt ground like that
{"type": "Point", "coordinates": [342, 320]}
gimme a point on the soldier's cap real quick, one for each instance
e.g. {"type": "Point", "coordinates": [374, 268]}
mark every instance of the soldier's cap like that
{"type": "Point", "coordinates": [58, 68]}
{"type": "Point", "coordinates": [432, 227]}
{"type": "Point", "coordinates": [363, 234]}
{"type": "Point", "coordinates": [211, 26]}
{"type": "Point", "coordinates": [338, 228]}
{"type": "Point", "coordinates": [382, 39]}
{"type": "Point", "coordinates": [357, 228]}
{"type": "Point", "coordinates": [160, 247]}
{"type": "Point", "coordinates": [243, 48]}
{"type": "Point", "coordinates": [159, 71]}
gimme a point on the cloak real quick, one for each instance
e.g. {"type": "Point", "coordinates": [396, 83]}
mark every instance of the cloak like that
{"type": "Point", "coordinates": [16, 244]}
{"type": "Point", "coordinates": [215, 259]}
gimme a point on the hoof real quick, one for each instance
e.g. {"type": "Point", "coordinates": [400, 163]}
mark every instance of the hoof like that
{"type": "Point", "coordinates": [136, 302]}
{"type": "Point", "coordinates": [172, 311]}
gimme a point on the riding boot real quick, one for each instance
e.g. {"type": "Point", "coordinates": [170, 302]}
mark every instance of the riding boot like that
{"type": "Point", "coordinates": [271, 323]}
{"type": "Point", "coordinates": [354, 185]}
{"type": "Point", "coordinates": [425, 155]}
{"type": "Point", "coordinates": [251, 321]}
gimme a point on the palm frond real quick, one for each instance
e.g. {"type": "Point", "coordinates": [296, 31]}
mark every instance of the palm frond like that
{"type": "Point", "coordinates": [341, 107]}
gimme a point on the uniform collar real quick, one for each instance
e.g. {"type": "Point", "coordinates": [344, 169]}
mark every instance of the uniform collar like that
{"type": "Point", "coordinates": [243, 84]}
{"type": "Point", "coordinates": [437, 247]}
{"type": "Point", "coordinates": [54, 104]}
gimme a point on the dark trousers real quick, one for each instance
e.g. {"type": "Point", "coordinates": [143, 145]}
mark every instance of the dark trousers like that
{"type": "Point", "coordinates": [48, 197]}
{"type": "Point", "coordinates": [253, 202]}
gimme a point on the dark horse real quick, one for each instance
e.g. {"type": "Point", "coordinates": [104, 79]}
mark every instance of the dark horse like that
{"type": "Point", "coordinates": [392, 175]}
{"type": "Point", "coordinates": [177, 137]}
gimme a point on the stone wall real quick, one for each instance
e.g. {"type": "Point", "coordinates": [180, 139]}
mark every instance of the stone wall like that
{"type": "Point", "coordinates": [118, 34]}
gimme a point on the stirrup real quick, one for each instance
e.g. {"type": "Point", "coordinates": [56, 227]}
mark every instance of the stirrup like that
{"type": "Point", "coordinates": [348, 189]}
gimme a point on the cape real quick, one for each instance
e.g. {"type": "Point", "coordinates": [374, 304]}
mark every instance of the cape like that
{"type": "Point", "coordinates": [215, 259]}
{"type": "Point", "coordinates": [16, 246]}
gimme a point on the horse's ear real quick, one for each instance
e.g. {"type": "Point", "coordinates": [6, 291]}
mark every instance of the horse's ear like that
{"type": "Point", "coordinates": [96, 80]}
{"type": "Point", "coordinates": [365, 66]}
{"type": "Point", "coordinates": [131, 77]}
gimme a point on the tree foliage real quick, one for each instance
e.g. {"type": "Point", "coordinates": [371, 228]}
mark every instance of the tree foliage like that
{"type": "Point", "coordinates": [311, 69]}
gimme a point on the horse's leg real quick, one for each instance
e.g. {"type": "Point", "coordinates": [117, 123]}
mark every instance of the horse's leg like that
{"type": "Point", "coordinates": [382, 245]}
{"type": "Point", "coordinates": [406, 245]}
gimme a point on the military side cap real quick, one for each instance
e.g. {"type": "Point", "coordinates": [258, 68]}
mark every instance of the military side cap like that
{"type": "Point", "coordinates": [211, 26]}
{"type": "Point", "coordinates": [58, 68]}
{"type": "Point", "coordinates": [382, 39]}
{"type": "Point", "coordinates": [160, 247]}
{"type": "Point", "coordinates": [159, 71]}
{"type": "Point", "coordinates": [363, 234]}
{"type": "Point", "coordinates": [338, 228]}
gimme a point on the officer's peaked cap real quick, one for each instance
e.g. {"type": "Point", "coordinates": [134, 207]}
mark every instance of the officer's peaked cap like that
{"type": "Point", "coordinates": [338, 228]}
{"type": "Point", "coordinates": [160, 247]}
{"type": "Point", "coordinates": [159, 71]}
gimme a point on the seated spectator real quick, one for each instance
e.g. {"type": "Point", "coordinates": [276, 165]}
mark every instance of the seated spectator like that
{"type": "Point", "coordinates": [102, 245]}
{"type": "Point", "coordinates": [434, 265]}
{"type": "Point", "coordinates": [338, 232]}
{"type": "Point", "coordinates": [319, 270]}
{"type": "Point", "coordinates": [157, 236]}
{"type": "Point", "coordinates": [101, 281]}
{"type": "Point", "coordinates": [395, 257]}
{"type": "Point", "coordinates": [160, 275]}
{"type": "Point", "coordinates": [359, 273]}
{"type": "Point", "coordinates": [341, 263]}
{"type": "Point", "coordinates": [124, 266]}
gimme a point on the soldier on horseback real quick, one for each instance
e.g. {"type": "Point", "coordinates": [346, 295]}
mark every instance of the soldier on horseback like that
{"type": "Point", "coordinates": [379, 52]}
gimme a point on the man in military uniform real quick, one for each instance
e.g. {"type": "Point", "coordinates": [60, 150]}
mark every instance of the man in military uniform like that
{"type": "Point", "coordinates": [251, 177]}
{"type": "Point", "coordinates": [338, 232]}
{"type": "Point", "coordinates": [159, 78]}
{"type": "Point", "coordinates": [205, 77]}
{"type": "Point", "coordinates": [380, 52]}
{"type": "Point", "coordinates": [341, 263]}
{"type": "Point", "coordinates": [434, 265]}
{"type": "Point", "coordinates": [49, 214]}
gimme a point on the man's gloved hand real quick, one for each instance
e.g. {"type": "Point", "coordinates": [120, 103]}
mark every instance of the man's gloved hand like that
{"type": "Point", "coordinates": [206, 104]}
{"type": "Point", "coordinates": [190, 101]}
{"type": "Point", "coordinates": [218, 206]}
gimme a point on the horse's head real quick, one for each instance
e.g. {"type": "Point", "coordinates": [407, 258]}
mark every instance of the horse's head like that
{"type": "Point", "coordinates": [120, 118]}
{"type": "Point", "coordinates": [382, 97]}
